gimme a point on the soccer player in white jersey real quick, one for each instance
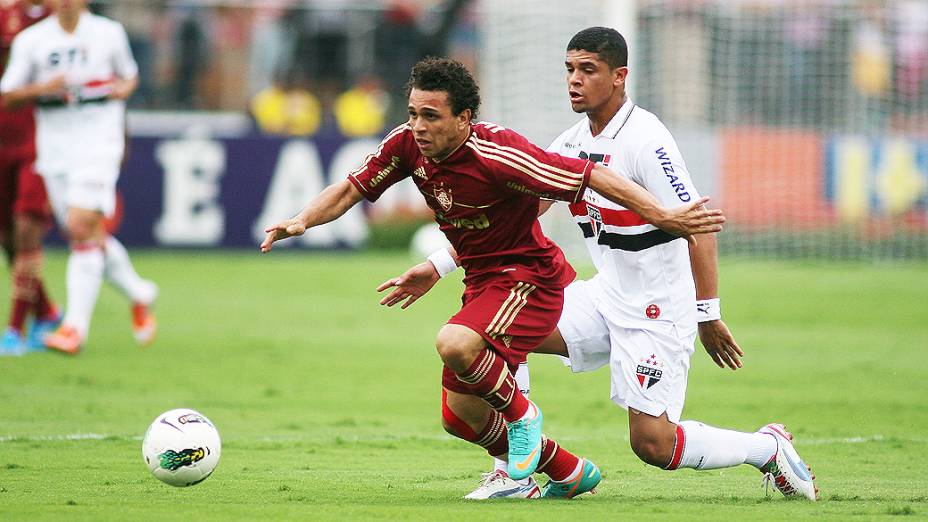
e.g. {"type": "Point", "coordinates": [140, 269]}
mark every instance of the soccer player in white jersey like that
{"type": "Point", "coordinates": [78, 69]}
{"type": "Point", "coordinates": [639, 314]}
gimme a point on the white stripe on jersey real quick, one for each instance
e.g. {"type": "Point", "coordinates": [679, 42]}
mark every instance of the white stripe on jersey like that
{"type": "Point", "coordinates": [561, 175]}
{"type": "Point", "coordinates": [369, 157]}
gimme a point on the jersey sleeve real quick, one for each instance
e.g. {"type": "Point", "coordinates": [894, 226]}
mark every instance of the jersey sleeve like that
{"type": "Point", "coordinates": [661, 170]}
{"type": "Point", "coordinates": [19, 70]}
{"type": "Point", "coordinates": [525, 168]}
{"type": "Point", "coordinates": [123, 63]}
{"type": "Point", "coordinates": [384, 168]}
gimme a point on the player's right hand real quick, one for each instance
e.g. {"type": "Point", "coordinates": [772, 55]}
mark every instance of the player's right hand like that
{"type": "Point", "coordinates": [282, 230]}
{"type": "Point", "coordinates": [57, 87]}
{"type": "Point", "coordinates": [410, 286]}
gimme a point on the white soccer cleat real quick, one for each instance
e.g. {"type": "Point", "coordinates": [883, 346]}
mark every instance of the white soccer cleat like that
{"type": "Point", "coordinates": [786, 469]}
{"type": "Point", "coordinates": [144, 324]}
{"type": "Point", "coordinates": [497, 484]}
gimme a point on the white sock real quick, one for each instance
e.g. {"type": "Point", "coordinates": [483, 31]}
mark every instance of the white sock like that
{"type": "Point", "coordinates": [84, 277]}
{"type": "Point", "coordinates": [522, 382]}
{"type": "Point", "coordinates": [707, 447]}
{"type": "Point", "coordinates": [122, 274]}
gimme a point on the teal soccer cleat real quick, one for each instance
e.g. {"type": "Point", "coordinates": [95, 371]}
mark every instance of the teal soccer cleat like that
{"type": "Point", "coordinates": [587, 480]}
{"type": "Point", "coordinates": [12, 343]}
{"type": "Point", "coordinates": [40, 328]}
{"type": "Point", "coordinates": [524, 445]}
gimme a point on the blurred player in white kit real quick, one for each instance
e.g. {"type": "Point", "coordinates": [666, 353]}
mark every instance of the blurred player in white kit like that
{"type": "Point", "coordinates": [78, 69]}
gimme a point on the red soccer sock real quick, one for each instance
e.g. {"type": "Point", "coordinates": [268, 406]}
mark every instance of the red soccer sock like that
{"type": "Point", "coordinates": [491, 438]}
{"type": "Point", "coordinates": [490, 379]}
{"type": "Point", "coordinates": [555, 461]}
{"type": "Point", "coordinates": [45, 309]}
{"type": "Point", "coordinates": [25, 280]}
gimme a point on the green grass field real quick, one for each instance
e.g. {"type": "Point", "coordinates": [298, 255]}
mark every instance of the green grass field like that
{"type": "Point", "coordinates": [328, 404]}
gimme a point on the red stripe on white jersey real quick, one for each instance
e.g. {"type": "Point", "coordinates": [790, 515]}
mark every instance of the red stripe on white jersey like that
{"type": "Point", "coordinates": [610, 216]}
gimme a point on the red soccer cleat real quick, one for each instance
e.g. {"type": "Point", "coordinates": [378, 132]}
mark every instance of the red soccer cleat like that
{"type": "Point", "coordinates": [65, 339]}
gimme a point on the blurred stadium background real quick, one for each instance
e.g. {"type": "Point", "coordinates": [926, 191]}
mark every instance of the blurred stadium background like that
{"type": "Point", "coordinates": [807, 121]}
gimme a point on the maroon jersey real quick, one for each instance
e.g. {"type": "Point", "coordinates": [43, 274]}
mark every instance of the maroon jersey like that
{"type": "Point", "coordinates": [17, 127]}
{"type": "Point", "coordinates": [485, 198]}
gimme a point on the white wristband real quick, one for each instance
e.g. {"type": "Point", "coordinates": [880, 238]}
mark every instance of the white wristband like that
{"type": "Point", "coordinates": [443, 262]}
{"type": "Point", "coordinates": [708, 310]}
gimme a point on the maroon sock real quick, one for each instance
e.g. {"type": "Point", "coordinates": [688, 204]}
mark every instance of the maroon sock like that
{"type": "Point", "coordinates": [555, 461]}
{"type": "Point", "coordinates": [18, 314]}
{"type": "Point", "coordinates": [490, 379]}
{"type": "Point", "coordinates": [24, 286]}
{"type": "Point", "coordinates": [493, 436]}
{"type": "Point", "coordinates": [44, 307]}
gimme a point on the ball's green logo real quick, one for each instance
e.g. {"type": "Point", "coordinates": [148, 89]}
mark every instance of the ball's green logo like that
{"type": "Point", "coordinates": [173, 460]}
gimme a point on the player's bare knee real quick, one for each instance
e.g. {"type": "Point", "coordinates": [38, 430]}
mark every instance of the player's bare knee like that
{"type": "Point", "coordinates": [457, 347]}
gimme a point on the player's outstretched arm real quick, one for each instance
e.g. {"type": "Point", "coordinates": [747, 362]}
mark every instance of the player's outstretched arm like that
{"type": "Point", "coordinates": [329, 205]}
{"type": "Point", "coordinates": [683, 221]}
{"type": "Point", "coordinates": [418, 280]}
{"type": "Point", "coordinates": [714, 334]}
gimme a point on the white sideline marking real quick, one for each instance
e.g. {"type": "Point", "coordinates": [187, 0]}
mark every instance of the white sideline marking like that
{"type": "Point", "coordinates": [802, 441]}
{"type": "Point", "coordinates": [70, 436]}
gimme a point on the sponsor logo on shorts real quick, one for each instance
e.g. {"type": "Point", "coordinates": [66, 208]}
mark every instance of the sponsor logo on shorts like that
{"type": "Point", "coordinates": [652, 311]}
{"type": "Point", "coordinates": [649, 371]}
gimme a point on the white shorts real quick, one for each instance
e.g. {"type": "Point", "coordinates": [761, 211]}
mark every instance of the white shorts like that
{"type": "Point", "coordinates": [649, 367]}
{"type": "Point", "coordinates": [88, 187]}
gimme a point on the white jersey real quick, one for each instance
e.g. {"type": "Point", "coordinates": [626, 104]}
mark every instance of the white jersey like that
{"type": "Point", "coordinates": [644, 276]}
{"type": "Point", "coordinates": [85, 127]}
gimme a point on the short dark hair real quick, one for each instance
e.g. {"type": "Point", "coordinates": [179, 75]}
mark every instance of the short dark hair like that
{"type": "Point", "coordinates": [450, 76]}
{"type": "Point", "coordinates": [604, 41]}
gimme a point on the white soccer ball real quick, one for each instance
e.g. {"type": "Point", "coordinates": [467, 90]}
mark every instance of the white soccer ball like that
{"type": "Point", "coordinates": [426, 240]}
{"type": "Point", "coordinates": [181, 447]}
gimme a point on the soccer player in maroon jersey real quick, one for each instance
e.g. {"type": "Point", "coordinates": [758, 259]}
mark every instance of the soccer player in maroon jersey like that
{"type": "Point", "coordinates": [24, 209]}
{"type": "Point", "coordinates": [484, 183]}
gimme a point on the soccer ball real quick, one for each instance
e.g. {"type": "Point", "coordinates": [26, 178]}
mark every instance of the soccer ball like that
{"type": "Point", "coordinates": [181, 447]}
{"type": "Point", "coordinates": [426, 240]}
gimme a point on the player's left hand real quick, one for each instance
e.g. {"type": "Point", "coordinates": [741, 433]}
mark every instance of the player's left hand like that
{"type": "Point", "coordinates": [282, 230]}
{"type": "Point", "coordinates": [716, 338]}
{"type": "Point", "coordinates": [122, 89]}
{"type": "Point", "coordinates": [412, 285]}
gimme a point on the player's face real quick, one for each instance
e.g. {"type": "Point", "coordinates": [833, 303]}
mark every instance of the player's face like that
{"type": "Point", "coordinates": [66, 6]}
{"type": "Point", "coordinates": [437, 131]}
{"type": "Point", "coordinates": [590, 82]}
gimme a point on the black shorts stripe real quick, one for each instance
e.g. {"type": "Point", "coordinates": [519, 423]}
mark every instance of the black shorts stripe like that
{"type": "Point", "coordinates": [629, 243]}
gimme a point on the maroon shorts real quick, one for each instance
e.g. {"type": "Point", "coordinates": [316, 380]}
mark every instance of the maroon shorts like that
{"type": "Point", "coordinates": [31, 198]}
{"type": "Point", "coordinates": [513, 317]}
{"type": "Point", "coordinates": [21, 189]}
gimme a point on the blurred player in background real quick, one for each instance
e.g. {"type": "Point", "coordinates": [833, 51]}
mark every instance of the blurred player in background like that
{"type": "Point", "coordinates": [24, 209]}
{"type": "Point", "coordinates": [639, 314]}
{"type": "Point", "coordinates": [78, 69]}
{"type": "Point", "coordinates": [484, 182]}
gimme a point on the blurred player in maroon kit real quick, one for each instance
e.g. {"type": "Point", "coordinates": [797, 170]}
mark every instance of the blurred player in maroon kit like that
{"type": "Point", "coordinates": [24, 209]}
{"type": "Point", "coordinates": [484, 183]}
